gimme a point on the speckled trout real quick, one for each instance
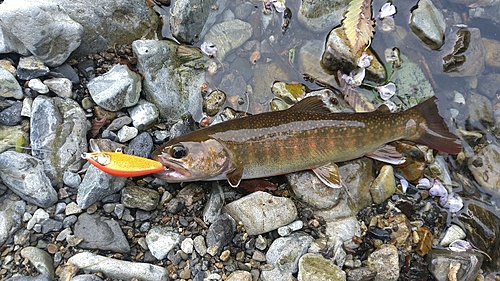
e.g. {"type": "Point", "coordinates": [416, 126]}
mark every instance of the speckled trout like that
{"type": "Point", "coordinates": [305, 136]}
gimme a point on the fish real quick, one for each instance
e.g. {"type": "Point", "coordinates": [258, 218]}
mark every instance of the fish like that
{"type": "Point", "coordinates": [307, 136]}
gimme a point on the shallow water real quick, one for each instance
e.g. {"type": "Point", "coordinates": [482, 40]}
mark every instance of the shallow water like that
{"type": "Point", "coordinates": [282, 50]}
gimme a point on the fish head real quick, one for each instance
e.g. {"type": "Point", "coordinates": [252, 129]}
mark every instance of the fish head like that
{"type": "Point", "coordinates": [186, 161]}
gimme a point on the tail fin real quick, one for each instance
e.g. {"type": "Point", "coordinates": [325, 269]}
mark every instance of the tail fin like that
{"type": "Point", "coordinates": [436, 134]}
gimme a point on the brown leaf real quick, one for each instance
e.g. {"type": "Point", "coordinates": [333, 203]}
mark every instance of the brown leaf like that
{"type": "Point", "coordinates": [425, 243]}
{"type": "Point", "coordinates": [97, 124]}
{"type": "Point", "coordinates": [358, 25]}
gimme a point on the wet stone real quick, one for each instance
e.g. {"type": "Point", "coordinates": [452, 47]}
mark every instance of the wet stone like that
{"type": "Point", "coordinates": [66, 71]}
{"type": "Point", "coordinates": [483, 231]}
{"type": "Point", "coordinates": [228, 36]}
{"type": "Point", "coordinates": [188, 18]}
{"type": "Point", "coordinates": [187, 245]}
{"type": "Point", "coordinates": [362, 273]}
{"type": "Point", "coordinates": [384, 185]}
{"type": "Point", "coordinates": [480, 110]}
{"type": "Point", "coordinates": [441, 262]}
{"type": "Point", "coordinates": [100, 233]}
{"type": "Point", "coordinates": [485, 167]}
{"type": "Point", "coordinates": [464, 53]}
{"type": "Point", "coordinates": [454, 232]}
{"type": "Point", "coordinates": [320, 16]}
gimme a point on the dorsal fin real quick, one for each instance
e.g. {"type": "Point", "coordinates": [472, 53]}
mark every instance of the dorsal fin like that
{"type": "Point", "coordinates": [310, 104]}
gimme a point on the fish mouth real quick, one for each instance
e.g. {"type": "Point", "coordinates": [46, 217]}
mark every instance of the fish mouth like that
{"type": "Point", "coordinates": [174, 171]}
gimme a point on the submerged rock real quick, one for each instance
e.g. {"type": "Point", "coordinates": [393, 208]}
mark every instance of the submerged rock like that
{"type": "Point", "coordinates": [188, 18]}
{"type": "Point", "coordinates": [228, 35]}
{"type": "Point", "coordinates": [428, 23]}
{"type": "Point", "coordinates": [321, 16]}
{"type": "Point", "coordinates": [314, 267]}
{"type": "Point", "coordinates": [448, 265]}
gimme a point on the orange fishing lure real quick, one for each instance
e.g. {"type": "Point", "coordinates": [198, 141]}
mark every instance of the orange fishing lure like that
{"type": "Point", "coordinates": [123, 165]}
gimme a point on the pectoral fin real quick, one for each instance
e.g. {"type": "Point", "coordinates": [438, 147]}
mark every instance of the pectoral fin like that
{"type": "Point", "coordinates": [329, 175]}
{"type": "Point", "coordinates": [234, 177]}
{"type": "Point", "coordinates": [387, 154]}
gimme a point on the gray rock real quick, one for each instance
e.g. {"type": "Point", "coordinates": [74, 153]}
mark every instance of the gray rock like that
{"type": "Point", "coordinates": [200, 245]}
{"type": "Point", "coordinates": [119, 87]}
{"type": "Point", "coordinates": [37, 85]}
{"type": "Point", "coordinates": [441, 262]}
{"type": "Point", "coordinates": [10, 44]}
{"type": "Point", "coordinates": [25, 175]}
{"type": "Point", "coordinates": [343, 228]}
{"type": "Point", "coordinates": [119, 122]}
{"type": "Point", "coordinates": [161, 240]}
{"type": "Point", "coordinates": [221, 231]}
{"type": "Point", "coordinates": [119, 269]}
{"type": "Point", "coordinates": [172, 85]}
{"type": "Point", "coordinates": [284, 254]}
{"type": "Point", "coordinates": [39, 216]}
{"type": "Point", "coordinates": [228, 35]}
{"type": "Point", "coordinates": [40, 259]}
{"type": "Point", "coordinates": [71, 179]}
{"type": "Point", "coordinates": [262, 212]}
{"type": "Point", "coordinates": [109, 22]}
{"type": "Point", "coordinates": [11, 116]}
{"type": "Point", "coordinates": [10, 217]}
{"type": "Point", "coordinates": [142, 145]}
{"type": "Point", "coordinates": [140, 197]}
{"type": "Point", "coordinates": [96, 185]}
{"type": "Point", "coordinates": [428, 23]}
{"type": "Point", "coordinates": [126, 133]}
{"type": "Point", "coordinates": [239, 275]}
{"type": "Point", "coordinates": [41, 277]}
{"type": "Point", "coordinates": [188, 18]}
{"type": "Point", "coordinates": [9, 87]}
{"type": "Point", "coordinates": [314, 267]}
{"type": "Point", "coordinates": [66, 71]}
{"type": "Point", "coordinates": [287, 229]}
{"type": "Point", "coordinates": [321, 16]}
{"type": "Point", "coordinates": [100, 233]}
{"type": "Point", "coordinates": [86, 277]}
{"type": "Point", "coordinates": [187, 245]}
{"type": "Point", "coordinates": [60, 86]}
{"type": "Point", "coordinates": [213, 206]}
{"type": "Point", "coordinates": [58, 130]}
{"type": "Point", "coordinates": [385, 261]}
{"type": "Point", "coordinates": [31, 67]}
{"type": "Point", "coordinates": [358, 176]}
{"type": "Point", "coordinates": [308, 188]}
{"type": "Point", "coordinates": [52, 35]}
{"type": "Point", "coordinates": [143, 114]}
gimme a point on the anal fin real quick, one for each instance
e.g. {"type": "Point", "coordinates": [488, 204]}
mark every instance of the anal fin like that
{"type": "Point", "coordinates": [387, 154]}
{"type": "Point", "coordinates": [329, 175]}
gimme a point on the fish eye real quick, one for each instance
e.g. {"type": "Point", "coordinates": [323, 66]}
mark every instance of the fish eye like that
{"type": "Point", "coordinates": [178, 151]}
